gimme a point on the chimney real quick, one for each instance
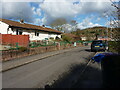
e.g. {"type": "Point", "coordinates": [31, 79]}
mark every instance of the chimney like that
{"type": "Point", "coordinates": [21, 21]}
{"type": "Point", "coordinates": [43, 25]}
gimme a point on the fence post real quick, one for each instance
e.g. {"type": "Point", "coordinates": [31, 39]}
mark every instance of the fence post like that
{"type": "Point", "coordinates": [17, 45]}
{"type": "Point", "coordinates": [58, 46]}
{"type": "Point", "coordinates": [10, 53]}
{"type": "Point", "coordinates": [45, 43]}
{"type": "Point", "coordinates": [46, 49]}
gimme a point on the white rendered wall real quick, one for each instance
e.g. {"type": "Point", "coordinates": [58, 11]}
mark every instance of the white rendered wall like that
{"type": "Point", "coordinates": [11, 32]}
{"type": "Point", "coordinates": [42, 35]}
{"type": "Point", "coordinates": [83, 38]}
{"type": "Point", "coordinates": [3, 28]}
{"type": "Point", "coordinates": [54, 36]}
{"type": "Point", "coordinates": [59, 36]}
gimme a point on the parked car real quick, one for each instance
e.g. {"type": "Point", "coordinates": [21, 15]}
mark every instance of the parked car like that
{"type": "Point", "coordinates": [98, 45]}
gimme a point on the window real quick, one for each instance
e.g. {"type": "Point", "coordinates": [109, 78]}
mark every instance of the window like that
{"type": "Point", "coordinates": [20, 32]}
{"type": "Point", "coordinates": [16, 32]}
{"type": "Point", "coordinates": [36, 33]}
{"type": "Point", "coordinates": [97, 42]}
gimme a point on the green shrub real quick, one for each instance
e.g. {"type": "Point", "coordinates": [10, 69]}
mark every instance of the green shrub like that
{"type": "Point", "coordinates": [12, 49]}
{"type": "Point", "coordinates": [66, 38]}
{"type": "Point", "coordinates": [22, 49]}
{"type": "Point", "coordinates": [114, 46]}
{"type": "Point", "coordinates": [51, 38]}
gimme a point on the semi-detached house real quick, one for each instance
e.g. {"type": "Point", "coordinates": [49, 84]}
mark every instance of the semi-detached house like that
{"type": "Point", "coordinates": [20, 28]}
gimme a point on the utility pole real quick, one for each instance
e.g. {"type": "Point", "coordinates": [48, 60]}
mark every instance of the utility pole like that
{"type": "Point", "coordinates": [111, 36]}
{"type": "Point", "coordinates": [107, 27]}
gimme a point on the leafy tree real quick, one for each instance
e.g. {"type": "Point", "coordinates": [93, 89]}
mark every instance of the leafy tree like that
{"type": "Point", "coordinates": [66, 38]}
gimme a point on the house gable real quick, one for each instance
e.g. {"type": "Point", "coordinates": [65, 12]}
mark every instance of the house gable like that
{"type": "Point", "coordinates": [3, 27]}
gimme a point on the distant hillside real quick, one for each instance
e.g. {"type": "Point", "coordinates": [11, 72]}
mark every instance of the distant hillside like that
{"type": "Point", "coordinates": [93, 32]}
{"type": "Point", "coordinates": [101, 30]}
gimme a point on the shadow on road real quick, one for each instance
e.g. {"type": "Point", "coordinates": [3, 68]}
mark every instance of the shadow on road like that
{"type": "Point", "coordinates": [76, 78]}
{"type": "Point", "coordinates": [88, 50]}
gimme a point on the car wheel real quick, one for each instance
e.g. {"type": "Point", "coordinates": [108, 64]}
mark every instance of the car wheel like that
{"type": "Point", "coordinates": [91, 50]}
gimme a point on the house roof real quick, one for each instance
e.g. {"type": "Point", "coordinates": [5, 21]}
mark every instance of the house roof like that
{"type": "Point", "coordinates": [29, 26]}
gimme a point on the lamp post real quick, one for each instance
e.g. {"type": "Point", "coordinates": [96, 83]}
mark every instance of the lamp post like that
{"type": "Point", "coordinates": [111, 23]}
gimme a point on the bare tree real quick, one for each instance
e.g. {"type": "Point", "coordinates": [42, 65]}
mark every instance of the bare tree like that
{"type": "Point", "coordinates": [114, 22]}
{"type": "Point", "coordinates": [57, 23]}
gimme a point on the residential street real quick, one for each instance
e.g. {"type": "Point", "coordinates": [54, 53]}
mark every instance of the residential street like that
{"type": "Point", "coordinates": [47, 44]}
{"type": "Point", "coordinates": [42, 72]}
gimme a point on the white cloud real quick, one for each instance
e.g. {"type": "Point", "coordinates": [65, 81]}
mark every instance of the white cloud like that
{"type": "Point", "coordinates": [99, 0]}
{"type": "Point", "coordinates": [58, 9]}
{"type": "Point", "coordinates": [22, 0]}
{"type": "Point", "coordinates": [36, 11]}
{"type": "Point", "coordinates": [37, 21]}
{"type": "Point", "coordinates": [0, 9]}
{"type": "Point", "coordinates": [67, 9]}
{"type": "Point", "coordinates": [90, 24]}
{"type": "Point", "coordinates": [96, 7]}
{"type": "Point", "coordinates": [58, 0]}
{"type": "Point", "coordinates": [67, 28]}
{"type": "Point", "coordinates": [53, 9]}
{"type": "Point", "coordinates": [13, 10]}
{"type": "Point", "coordinates": [98, 19]}
{"type": "Point", "coordinates": [86, 23]}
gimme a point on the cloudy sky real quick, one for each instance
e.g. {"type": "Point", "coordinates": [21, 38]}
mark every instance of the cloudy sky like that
{"type": "Point", "coordinates": [87, 13]}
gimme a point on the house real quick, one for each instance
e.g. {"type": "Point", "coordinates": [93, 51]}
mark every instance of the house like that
{"type": "Point", "coordinates": [35, 32]}
{"type": "Point", "coordinates": [88, 38]}
{"type": "Point", "coordinates": [83, 37]}
{"type": "Point", "coordinates": [105, 38]}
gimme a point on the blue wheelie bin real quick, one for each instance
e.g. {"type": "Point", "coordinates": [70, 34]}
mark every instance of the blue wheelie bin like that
{"type": "Point", "coordinates": [110, 65]}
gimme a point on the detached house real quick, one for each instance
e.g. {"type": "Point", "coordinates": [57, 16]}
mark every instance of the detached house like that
{"type": "Point", "coordinates": [20, 28]}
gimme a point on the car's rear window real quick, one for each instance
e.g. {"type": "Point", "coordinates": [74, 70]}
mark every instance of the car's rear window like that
{"type": "Point", "coordinates": [96, 42]}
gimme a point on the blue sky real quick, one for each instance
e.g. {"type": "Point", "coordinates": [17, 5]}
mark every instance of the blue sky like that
{"type": "Point", "coordinates": [39, 12]}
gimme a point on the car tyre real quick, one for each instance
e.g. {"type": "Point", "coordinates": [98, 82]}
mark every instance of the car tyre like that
{"type": "Point", "coordinates": [92, 50]}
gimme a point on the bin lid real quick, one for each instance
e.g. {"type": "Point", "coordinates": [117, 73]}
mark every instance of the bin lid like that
{"type": "Point", "coordinates": [99, 57]}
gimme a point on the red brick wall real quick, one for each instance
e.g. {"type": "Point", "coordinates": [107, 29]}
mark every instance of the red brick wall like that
{"type": "Point", "coordinates": [22, 40]}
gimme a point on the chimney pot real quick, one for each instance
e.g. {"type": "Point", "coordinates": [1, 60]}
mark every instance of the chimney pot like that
{"type": "Point", "coordinates": [43, 25]}
{"type": "Point", "coordinates": [21, 21]}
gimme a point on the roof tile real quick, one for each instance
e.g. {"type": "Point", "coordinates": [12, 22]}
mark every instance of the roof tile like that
{"type": "Point", "coordinates": [29, 26]}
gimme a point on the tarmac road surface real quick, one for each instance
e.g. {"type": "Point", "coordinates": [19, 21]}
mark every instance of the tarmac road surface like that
{"type": "Point", "coordinates": [38, 74]}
